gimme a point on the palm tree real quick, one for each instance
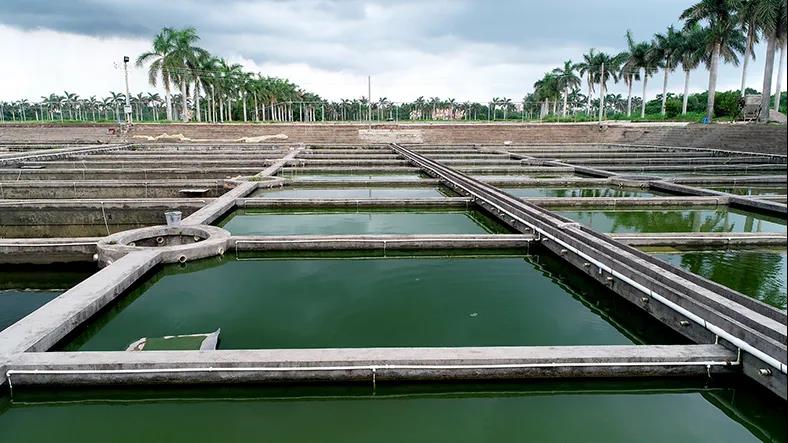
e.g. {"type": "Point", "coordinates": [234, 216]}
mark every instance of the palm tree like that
{"type": "Point", "coordinates": [546, 89]}
{"type": "Point", "coordinates": [23, 105]}
{"type": "Point", "coordinates": [93, 103]}
{"type": "Point", "coordinates": [244, 86]}
{"type": "Point", "coordinates": [204, 67]}
{"type": "Point", "coordinates": [184, 59]}
{"type": "Point", "coordinates": [107, 103]}
{"type": "Point", "coordinates": [567, 79]}
{"type": "Point", "coordinates": [667, 49]}
{"type": "Point", "coordinates": [749, 21]}
{"type": "Point", "coordinates": [154, 100]}
{"type": "Point", "coordinates": [778, 90]}
{"type": "Point", "coordinates": [722, 24]}
{"type": "Point", "coordinates": [692, 52]}
{"type": "Point", "coordinates": [161, 63]}
{"type": "Point", "coordinates": [638, 56]}
{"type": "Point", "coordinates": [609, 67]}
{"type": "Point", "coordinates": [117, 98]}
{"type": "Point", "coordinates": [68, 100]}
{"type": "Point", "coordinates": [588, 68]}
{"type": "Point", "coordinates": [771, 15]}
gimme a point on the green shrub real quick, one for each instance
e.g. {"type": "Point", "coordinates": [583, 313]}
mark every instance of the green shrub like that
{"type": "Point", "coordinates": [727, 104]}
{"type": "Point", "coordinates": [673, 107]}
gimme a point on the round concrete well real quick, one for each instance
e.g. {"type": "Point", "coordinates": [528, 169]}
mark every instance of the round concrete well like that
{"type": "Point", "coordinates": [176, 243]}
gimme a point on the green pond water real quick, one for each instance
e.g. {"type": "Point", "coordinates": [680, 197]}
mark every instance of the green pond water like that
{"type": "Point", "coordinates": [602, 191]}
{"type": "Point", "coordinates": [356, 177]}
{"type": "Point", "coordinates": [760, 274]}
{"type": "Point", "coordinates": [751, 190]}
{"type": "Point", "coordinates": [709, 172]}
{"type": "Point", "coordinates": [338, 222]}
{"type": "Point", "coordinates": [308, 302]}
{"type": "Point", "coordinates": [23, 289]}
{"type": "Point", "coordinates": [489, 177]}
{"type": "Point", "coordinates": [603, 412]}
{"type": "Point", "coordinates": [355, 192]}
{"type": "Point", "coordinates": [721, 219]}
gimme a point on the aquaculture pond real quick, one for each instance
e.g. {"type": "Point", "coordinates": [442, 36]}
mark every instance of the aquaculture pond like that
{"type": "Point", "coordinates": [759, 273]}
{"type": "Point", "coordinates": [751, 190]}
{"type": "Point", "coordinates": [25, 288]}
{"type": "Point", "coordinates": [523, 176]}
{"type": "Point", "coordinates": [329, 301]}
{"type": "Point", "coordinates": [720, 219]}
{"type": "Point", "coordinates": [356, 192]}
{"type": "Point", "coordinates": [363, 221]}
{"type": "Point", "coordinates": [589, 192]}
{"type": "Point", "coordinates": [350, 176]}
{"type": "Point", "coordinates": [609, 412]}
{"type": "Point", "coordinates": [743, 171]}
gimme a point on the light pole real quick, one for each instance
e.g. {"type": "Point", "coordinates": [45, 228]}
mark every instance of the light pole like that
{"type": "Point", "coordinates": [127, 108]}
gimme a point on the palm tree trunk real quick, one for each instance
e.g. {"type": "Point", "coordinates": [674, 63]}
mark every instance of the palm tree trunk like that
{"type": "Point", "coordinates": [665, 88]}
{"type": "Point", "coordinates": [686, 91]}
{"type": "Point", "coordinates": [715, 64]}
{"type": "Point", "coordinates": [566, 99]}
{"type": "Point", "coordinates": [184, 103]}
{"type": "Point", "coordinates": [243, 97]}
{"type": "Point", "coordinates": [256, 108]}
{"type": "Point", "coordinates": [590, 93]}
{"type": "Point", "coordinates": [750, 33]}
{"type": "Point", "coordinates": [212, 109]}
{"type": "Point", "coordinates": [766, 91]}
{"type": "Point", "coordinates": [197, 99]}
{"type": "Point", "coordinates": [630, 80]}
{"type": "Point", "coordinates": [168, 99]}
{"type": "Point", "coordinates": [643, 101]}
{"type": "Point", "coordinates": [780, 71]}
{"type": "Point", "coordinates": [602, 92]}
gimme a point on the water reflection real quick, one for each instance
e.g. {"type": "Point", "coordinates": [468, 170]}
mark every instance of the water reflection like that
{"type": "Point", "coordinates": [675, 220]}
{"type": "Point", "coordinates": [609, 411]}
{"type": "Point", "coordinates": [603, 191]}
{"type": "Point", "coordinates": [761, 274]}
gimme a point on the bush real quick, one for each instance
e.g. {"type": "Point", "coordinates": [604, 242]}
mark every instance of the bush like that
{"type": "Point", "coordinates": [653, 106]}
{"type": "Point", "coordinates": [727, 104]}
{"type": "Point", "coordinates": [673, 107]}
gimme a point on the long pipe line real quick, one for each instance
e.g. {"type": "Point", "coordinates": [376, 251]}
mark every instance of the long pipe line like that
{"type": "Point", "coordinates": [692, 316]}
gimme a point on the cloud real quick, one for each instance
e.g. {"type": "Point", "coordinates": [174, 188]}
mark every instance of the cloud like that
{"type": "Point", "coordinates": [466, 49]}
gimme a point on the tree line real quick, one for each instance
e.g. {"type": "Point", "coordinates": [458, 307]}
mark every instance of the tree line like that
{"type": "Point", "coordinates": [713, 31]}
{"type": "Point", "coordinates": [202, 87]}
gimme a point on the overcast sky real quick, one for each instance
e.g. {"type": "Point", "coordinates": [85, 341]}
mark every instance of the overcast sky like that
{"type": "Point", "coordinates": [465, 49]}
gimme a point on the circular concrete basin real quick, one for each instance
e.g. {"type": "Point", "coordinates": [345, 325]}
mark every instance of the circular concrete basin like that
{"type": "Point", "coordinates": [175, 243]}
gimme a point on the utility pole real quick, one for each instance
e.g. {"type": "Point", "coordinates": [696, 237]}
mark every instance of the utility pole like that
{"type": "Point", "coordinates": [369, 99]}
{"type": "Point", "coordinates": [127, 108]}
